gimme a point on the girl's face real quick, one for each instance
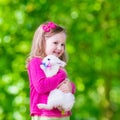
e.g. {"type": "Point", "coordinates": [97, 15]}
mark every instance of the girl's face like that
{"type": "Point", "coordinates": [55, 45]}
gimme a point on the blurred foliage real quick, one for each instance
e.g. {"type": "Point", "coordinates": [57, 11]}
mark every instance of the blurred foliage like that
{"type": "Point", "coordinates": [93, 45]}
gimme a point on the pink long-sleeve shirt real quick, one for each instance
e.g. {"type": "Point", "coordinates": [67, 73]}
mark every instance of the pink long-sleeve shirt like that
{"type": "Point", "coordinates": [40, 87]}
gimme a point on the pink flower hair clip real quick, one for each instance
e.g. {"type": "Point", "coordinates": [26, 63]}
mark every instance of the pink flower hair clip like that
{"type": "Point", "coordinates": [47, 27]}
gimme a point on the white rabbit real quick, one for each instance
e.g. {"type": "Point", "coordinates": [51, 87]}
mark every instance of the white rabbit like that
{"type": "Point", "coordinates": [50, 65]}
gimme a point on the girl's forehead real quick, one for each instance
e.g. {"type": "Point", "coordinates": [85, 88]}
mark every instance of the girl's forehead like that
{"type": "Point", "coordinates": [58, 36]}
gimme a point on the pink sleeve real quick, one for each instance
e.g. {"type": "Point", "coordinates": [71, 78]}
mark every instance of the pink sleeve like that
{"type": "Point", "coordinates": [73, 87]}
{"type": "Point", "coordinates": [39, 80]}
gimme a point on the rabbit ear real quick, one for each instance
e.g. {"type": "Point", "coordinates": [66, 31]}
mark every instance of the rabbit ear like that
{"type": "Point", "coordinates": [62, 64]}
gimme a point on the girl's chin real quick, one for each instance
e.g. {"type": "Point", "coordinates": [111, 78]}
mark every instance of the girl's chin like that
{"type": "Point", "coordinates": [56, 55]}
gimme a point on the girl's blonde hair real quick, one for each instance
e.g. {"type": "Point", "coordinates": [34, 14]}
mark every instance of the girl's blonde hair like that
{"type": "Point", "coordinates": [38, 43]}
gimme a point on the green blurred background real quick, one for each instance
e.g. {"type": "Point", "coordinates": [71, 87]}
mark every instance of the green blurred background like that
{"type": "Point", "coordinates": [93, 45]}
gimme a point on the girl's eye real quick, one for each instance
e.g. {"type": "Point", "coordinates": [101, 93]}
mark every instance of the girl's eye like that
{"type": "Point", "coordinates": [62, 44]}
{"type": "Point", "coordinates": [55, 42]}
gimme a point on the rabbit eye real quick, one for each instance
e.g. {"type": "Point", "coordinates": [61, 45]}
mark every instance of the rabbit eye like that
{"type": "Point", "coordinates": [48, 59]}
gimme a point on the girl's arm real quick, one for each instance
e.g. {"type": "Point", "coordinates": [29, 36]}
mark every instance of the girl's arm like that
{"type": "Point", "coordinates": [39, 80]}
{"type": "Point", "coordinates": [73, 87]}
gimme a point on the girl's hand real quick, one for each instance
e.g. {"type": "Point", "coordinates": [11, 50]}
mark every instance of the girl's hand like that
{"type": "Point", "coordinates": [65, 86]}
{"type": "Point", "coordinates": [60, 108]}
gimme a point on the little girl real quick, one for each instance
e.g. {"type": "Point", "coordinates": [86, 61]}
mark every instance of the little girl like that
{"type": "Point", "coordinates": [49, 39]}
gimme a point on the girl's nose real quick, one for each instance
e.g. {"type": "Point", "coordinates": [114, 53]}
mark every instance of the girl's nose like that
{"type": "Point", "coordinates": [59, 47]}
